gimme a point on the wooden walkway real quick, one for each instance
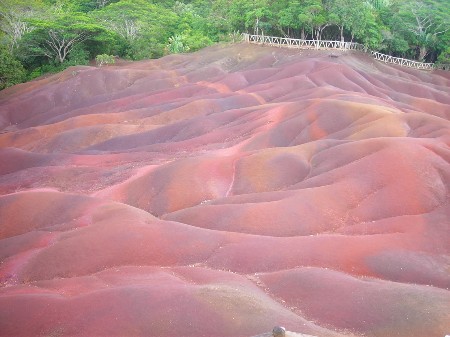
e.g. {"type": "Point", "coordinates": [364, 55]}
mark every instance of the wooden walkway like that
{"type": "Point", "coordinates": [324, 44]}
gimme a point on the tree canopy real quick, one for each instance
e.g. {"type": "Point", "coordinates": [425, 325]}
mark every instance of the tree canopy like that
{"type": "Point", "coordinates": [49, 35]}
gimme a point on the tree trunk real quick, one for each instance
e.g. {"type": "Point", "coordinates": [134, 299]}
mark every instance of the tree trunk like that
{"type": "Point", "coordinates": [341, 28]}
{"type": "Point", "coordinates": [303, 33]}
{"type": "Point", "coordinates": [288, 34]}
{"type": "Point", "coordinates": [422, 53]}
{"type": "Point", "coordinates": [256, 30]}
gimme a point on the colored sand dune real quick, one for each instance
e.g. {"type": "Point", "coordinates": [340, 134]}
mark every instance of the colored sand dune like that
{"type": "Point", "coordinates": [224, 192]}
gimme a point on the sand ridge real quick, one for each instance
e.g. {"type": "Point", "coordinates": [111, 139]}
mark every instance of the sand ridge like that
{"type": "Point", "coordinates": [223, 192]}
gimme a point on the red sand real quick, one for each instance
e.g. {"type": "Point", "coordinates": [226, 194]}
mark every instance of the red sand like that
{"type": "Point", "coordinates": [224, 192]}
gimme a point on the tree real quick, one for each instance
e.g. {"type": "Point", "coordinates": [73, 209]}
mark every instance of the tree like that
{"type": "Point", "coordinates": [56, 39]}
{"type": "Point", "coordinates": [442, 50]}
{"type": "Point", "coordinates": [59, 43]}
{"type": "Point", "coordinates": [124, 18]}
{"type": "Point", "coordinates": [143, 26]}
{"type": "Point", "coordinates": [342, 13]}
{"type": "Point", "coordinates": [288, 17]}
{"type": "Point", "coordinates": [314, 16]}
{"type": "Point", "coordinates": [196, 31]}
{"type": "Point", "coordinates": [14, 16]}
{"type": "Point", "coordinates": [369, 33]}
{"type": "Point", "coordinates": [62, 40]}
{"type": "Point", "coordinates": [422, 23]}
{"type": "Point", "coordinates": [259, 16]}
{"type": "Point", "coordinates": [49, 35]}
{"type": "Point", "coordinates": [246, 15]}
{"type": "Point", "coordinates": [353, 15]}
{"type": "Point", "coordinates": [379, 4]}
{"type": "Point", "coordinates": [101, 3]}
{"type": "Point", "coordinates": [393, 44]}
{"type": "Point", "coordinates": [11, 70]}
{"type": "Point", "coordinates": [444, 57]}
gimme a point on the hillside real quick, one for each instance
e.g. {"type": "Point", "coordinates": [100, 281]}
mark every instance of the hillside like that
{"type": "Point", "coordinates": [223, 192]}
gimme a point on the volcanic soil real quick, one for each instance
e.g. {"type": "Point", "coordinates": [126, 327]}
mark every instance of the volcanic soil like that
{"type": "Point", "coordinates": [223, 192]}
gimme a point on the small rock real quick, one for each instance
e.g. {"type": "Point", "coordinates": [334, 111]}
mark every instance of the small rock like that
{"type": "Point", "coordinates": [279, 331]}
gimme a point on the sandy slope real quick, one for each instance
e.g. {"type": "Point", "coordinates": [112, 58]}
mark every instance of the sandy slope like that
{"type": "Point", "coordinates": [224, 192]}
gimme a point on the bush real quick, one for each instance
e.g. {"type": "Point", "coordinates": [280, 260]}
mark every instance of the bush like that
{"type": "Point", "coordinates": [11, 70]}
{"type": "Point", "coordinates": [444, 56]}
{"type": "Point", "coordinates": [144, 48]}
{"type": "Point", "coordinates": [177, 44]}
{"type": "Point", "coordinates": [77, 56]}
{"type": "Point", "coordinates": [196, 40]}
{"type": "Point", "coordinates": [234, 37]}
{"type": "Point", "coordinates": [104, 59]}
{"type": "Point", "coordinates": [189, 41]}
{"type": "Point", "coordinates": [52, 68]}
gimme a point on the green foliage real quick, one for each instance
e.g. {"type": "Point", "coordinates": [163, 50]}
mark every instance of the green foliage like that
{"type": "Point", "coordinates": [444, 57]}
{"type": "Point", "coordinates": [14, 17]}
{"type": "Point", "coordinates": [142, 28]}
{"type": "Point", "coordinates": [422, 24]}
{"type": "Point", "coordinates": [259, 16]}
{"type": "Point", "coordinates": [90, 5]}
{"type": "Point", "coordinates": [104, 59]}
{"type": "Point", "coordinates": [234, 37]}
{"type": "Point", "coordinates": [11, 70]}
{"type": "Point", "coordinates": [393, 43]}
{"type": "Point", "coordinates": [57, 38]}
{"type": "Point", "coordinates": [379, 4]}
{"type": "Point", "coordinates": [145, 48]}
{"type": "Point", "coordinates": [78, 56]}
{"type": "Point", "coordinates": [314, 17]}
{"type": "Point", "coordinates": [49, 35]}
{"type": "Point", "coordinates": [177, 44]}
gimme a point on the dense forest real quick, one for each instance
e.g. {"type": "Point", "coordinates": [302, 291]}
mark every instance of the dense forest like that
{"type": "Point", "coordinates": [41, 36]}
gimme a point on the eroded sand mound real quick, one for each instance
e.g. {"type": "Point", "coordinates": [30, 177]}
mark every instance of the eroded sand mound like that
{"type": "Point", "coordinates": [224, 192]}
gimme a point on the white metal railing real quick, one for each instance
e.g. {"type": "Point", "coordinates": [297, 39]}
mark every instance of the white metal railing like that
{"type": "Point", "coordinates": [298, 43]}
{"type": "Point", "coordinates": [442, 66]}
{"type": "Point", "coordinates": [324, 44]}
{"type": "Point", "coordinates": [402, 62]}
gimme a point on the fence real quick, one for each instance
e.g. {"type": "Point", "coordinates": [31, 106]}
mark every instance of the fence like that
{"type": "Point", "coordinates": [323, 44]}
{"type": "Point", "coordinates": [402, 62]}
{"type": "Point", "coordinates": [297, 43]}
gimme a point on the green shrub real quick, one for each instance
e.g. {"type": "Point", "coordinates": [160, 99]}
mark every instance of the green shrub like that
{"type": "Point", "coordinates": [177, 44]}
{"type": "Point", "coordinates": [234, 37]}
{"type": "Point", "coordinates": [444, 56]}
{"type": "Point", "coordinates": [104, 59]}
{"type": "Point", "coordinates": [77, 56]}
{"type": "Point", "coordinates": [11, 70]}
{"type": "Point", "coordinates": [196, 40]}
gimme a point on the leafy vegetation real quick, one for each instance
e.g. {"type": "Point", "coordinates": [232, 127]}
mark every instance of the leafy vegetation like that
{"type": "Point", "coordinates": [104, 59]}
{"type": "Point", "coordinates": [38, 36]}
{"type": "Point", "coordinates": [11, 70]}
